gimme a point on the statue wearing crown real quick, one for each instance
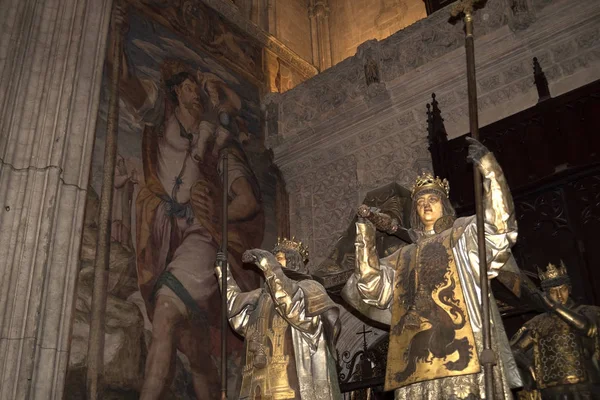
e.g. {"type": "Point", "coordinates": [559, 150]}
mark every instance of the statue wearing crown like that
{"type": "Point", "coordinates": [560, 350]}
{"type": "Point", "coordinates": [429, 291]}
{"type": "Point", "coordinates": [290, 328]}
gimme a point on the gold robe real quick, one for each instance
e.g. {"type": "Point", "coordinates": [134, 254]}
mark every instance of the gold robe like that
{"type": "Point", "coordinates": [438, 359]}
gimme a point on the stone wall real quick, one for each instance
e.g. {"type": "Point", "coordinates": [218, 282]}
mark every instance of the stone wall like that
{"type": "Point", "coordinates": [293, 26]}
{"type": "Point", "coordinates": [335, 137]}
{"type": "Point", "coordinates": [353, 22]}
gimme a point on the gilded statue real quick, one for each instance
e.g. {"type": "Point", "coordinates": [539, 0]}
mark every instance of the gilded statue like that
{"type": "Point", "coordinates": [559, 349]}
{"type": "Point", "coordinates": [429, 291]}
{"type": "Point", "coordinates": [290, 328]}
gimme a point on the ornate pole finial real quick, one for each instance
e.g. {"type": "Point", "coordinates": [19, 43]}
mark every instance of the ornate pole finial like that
{"type": "Point", "coordinates": [466, 7]}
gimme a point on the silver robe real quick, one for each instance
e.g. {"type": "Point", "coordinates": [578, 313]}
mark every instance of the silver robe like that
{"type": "Point", "coordinates": [370, 289]}
{"type": "Point", "coordinates": [313, 351]}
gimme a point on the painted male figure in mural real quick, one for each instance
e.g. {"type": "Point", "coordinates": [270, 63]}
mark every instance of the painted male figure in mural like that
{"type": "Point", "coordinates": [187, 118]}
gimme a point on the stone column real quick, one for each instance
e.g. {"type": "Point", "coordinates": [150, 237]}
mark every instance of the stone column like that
{"type": "Point", "coordinates": [51, 60]}
{"type": "Point", "coordinates": [318, 13]}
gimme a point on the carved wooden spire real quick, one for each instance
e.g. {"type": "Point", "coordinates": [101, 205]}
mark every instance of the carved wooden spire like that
{"type": "Point", "coordinates": [541, 83]}
{"type": "Point", "coordinates": [437, 137]}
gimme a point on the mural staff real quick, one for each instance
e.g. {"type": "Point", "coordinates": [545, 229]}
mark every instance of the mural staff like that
{"type": "Point", "coordinates": [178, 213]}
{"type": "Point", "coordinates": [290, 328]}
{"type": "Point", "coordinates": [430, 290]}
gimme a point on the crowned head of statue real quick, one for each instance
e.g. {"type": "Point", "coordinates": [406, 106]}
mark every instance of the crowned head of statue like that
{"type": "Point", "coordinates": [555, 282]}
{"type": "Point", "coordinates": [291, 254]}
{"type": "Point", "coordinates": [431, 209]}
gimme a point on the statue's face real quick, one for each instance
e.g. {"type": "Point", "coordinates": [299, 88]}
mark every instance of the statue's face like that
{"type": "Point", "coordinates": [280, 256]}
{"type": "Point", "coordinates": [429, 208]}
{"type": "Point", "coordinates": [559, 294]}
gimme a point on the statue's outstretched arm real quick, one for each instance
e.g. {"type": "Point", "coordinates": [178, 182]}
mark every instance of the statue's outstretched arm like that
{"type": "Point", "coordinates": [375, 280]}
{"type": "Point", "coordinates": [499, 210]}
{"type": "Point", "coordinates": [578, 321]}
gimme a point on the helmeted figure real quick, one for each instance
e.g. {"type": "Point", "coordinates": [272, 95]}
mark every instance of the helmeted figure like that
{"type": "Point", "coordinates": [429, 291]}
{"type": "Point", "coordinates": [290, 328]}
{"type": "Point", "coordinates": [560, 348]}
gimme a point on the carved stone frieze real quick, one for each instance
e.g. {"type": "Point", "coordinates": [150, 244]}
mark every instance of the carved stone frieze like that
{"type": "Point", "coordinates": [588, 39]}
{"type": "Point", "coordinates": [517, 70]}
{"type": "Point", "coordinates": [563, 51]}
{"type": "Point", "coordinates": [485, 85]}
{"type": "Point", "coordinates": [521, 14]}
{"type": "Point", "coordinates": [540, 4]}
{"type": "Point", "coordinates": [582, 61]}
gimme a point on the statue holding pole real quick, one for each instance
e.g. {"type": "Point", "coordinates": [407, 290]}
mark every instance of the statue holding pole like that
{"type": "Point", "coordinates": [430, 291]}
{"type": "Point", "coordinates": [290, 328]}
{"type": "Point", "coordinates": [444, 324]}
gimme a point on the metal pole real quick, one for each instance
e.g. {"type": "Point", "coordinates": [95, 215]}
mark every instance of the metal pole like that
{"type": "Point", "coordinates": [487, 356]}
{"type": "Point", "coordinates": [95, 368]}
{"type": "Point", "coordinates": [224, 267]}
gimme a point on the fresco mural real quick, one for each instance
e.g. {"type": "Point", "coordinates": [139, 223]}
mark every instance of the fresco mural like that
{"type": "Point", "coordinates": [181, 110]}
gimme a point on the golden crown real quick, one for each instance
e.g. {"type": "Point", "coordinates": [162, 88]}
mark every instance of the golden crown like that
{"type": "Point", "coordinates": [552, 272]}
{"type": "Point", "coordinates": [287, 244]}
{"type": "Point", "coordinates": [427, 181]}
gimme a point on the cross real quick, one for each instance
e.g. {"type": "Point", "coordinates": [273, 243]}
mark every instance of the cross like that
{"type": "Point", "coordinates": [364, 333]}
{"type": "Point", "coordinates": [464, 7]}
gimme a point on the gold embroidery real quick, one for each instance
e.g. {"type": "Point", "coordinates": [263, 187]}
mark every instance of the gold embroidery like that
{"type": "Point", "coordinates": [266, 374]}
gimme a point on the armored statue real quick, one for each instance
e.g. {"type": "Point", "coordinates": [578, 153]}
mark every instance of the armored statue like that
{"type": "Point", "coordinates": [290, 328]}
{"type": "Point", "coordinates": [429, 291]}
{"type": "Point", "coordinates": [560, 349]}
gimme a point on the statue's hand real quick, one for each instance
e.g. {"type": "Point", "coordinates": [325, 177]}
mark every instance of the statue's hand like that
{"type": "Point", "coordinates": [278, 285]}
{"type": "Point", "coordinates": [363, 211]}
{"type": "Point", "coordinates": [476, 151]}
{"type": "Point", "coordinates": [264, 260]}
{"type": "Point", "coordinates": [545, 301]}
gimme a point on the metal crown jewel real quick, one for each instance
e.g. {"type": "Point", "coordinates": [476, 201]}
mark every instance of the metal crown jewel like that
{"type": "Point", "coordinates": [284, 243]}
{"type": "Point", "coordinates": [552, 272]}
{"type": "Point", "coordinates": [427, 181]}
